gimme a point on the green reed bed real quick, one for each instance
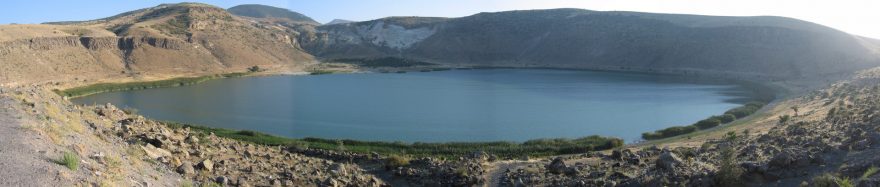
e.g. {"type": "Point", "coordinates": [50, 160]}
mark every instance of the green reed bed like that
{"type": "Point", "coordinates": [539, 147]}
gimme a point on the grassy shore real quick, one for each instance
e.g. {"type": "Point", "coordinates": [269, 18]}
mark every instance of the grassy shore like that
{"type": "Point", "coordinates": [532, 148]}
{"type": "Point", "coordinates": [114, 87]}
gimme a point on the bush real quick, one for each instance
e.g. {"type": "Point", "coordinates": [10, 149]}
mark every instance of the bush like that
{"type": "Point", "coordinates": [254, 69]}
{"type": "Point", "coordinates": [784, 118]}
{"type": "Point", "coordinates": [729, 172]}
{"type": "Point", "coordinates": [726, 118]}
{"type": "Point", "coordinates": [69, 160]}
{"type": "Point", "coordinates": [707, 123]}
{"type": "Point", "coordinates": [539, 147]}
{"type": "Point", "coordinates": [669, 132]}
{"type": "Point", "coordinates": [395, 161]}
{"type": "Point", "coordinates": [113, 87]}
{"type": "Point", "coordinates": [247, 133]}
{"type": "Point", "coordinates": [745, 110]}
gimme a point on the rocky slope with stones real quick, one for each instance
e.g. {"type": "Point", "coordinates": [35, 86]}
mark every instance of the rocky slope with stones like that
{"type": "Point", "coordinates": [828, 136]}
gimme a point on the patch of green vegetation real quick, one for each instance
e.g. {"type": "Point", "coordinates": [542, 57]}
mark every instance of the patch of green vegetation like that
{"type": "Point", "coordinates": [69, 160]}
{"type": "Point", "coordinates": [539, 147]}
{"type": "Point", "coordinates": [321, 72]}
{"type": "Point", "coordinates": [115, 87]}
{"type": "Point", "coordinates": [729, 173]}
{"type": "Point", "coordinates": [784, 118]}
{"type": "Point", "coordinates": [869, 172]}
{"type": "Point", "coordinates": [179, 25]}
{"type": "Point", "coordinates": [382, 62]}
{"type": "Point", "coordinates": [254, 69]}
{"type": "Point", "coordinates": [395, 161]}
{"type": "Point", "coordinates": [710, 122]}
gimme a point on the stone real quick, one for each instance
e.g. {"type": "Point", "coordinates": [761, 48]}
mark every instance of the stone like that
{"type": "Point", "coordinates": [331, 183]}
{"type": "Point", "coordinates": [207, 165]}
{"type": "Point", "coordinates": [186, 168]}
{"type": "Point", "coordinates": [154, 152]}
{"type": "Point", "coordinates": [192, 139]}
{"type": "Point", "coordinates": [99, 157]}
{"type": "Point", "coordinates": [861, 145]}
{"type": "Point", "coordinates": [222, 180]}
{"type": "Point", "coordinates": [338, 169]}
{"type": "Point", "coordinates": [557, 166]}
{"type": "Point", "coordinates": [668, 161]}
{"type": "Point", "coordinates": [789, 158]}
{"type": "Point", "coordinates": [616, 154]}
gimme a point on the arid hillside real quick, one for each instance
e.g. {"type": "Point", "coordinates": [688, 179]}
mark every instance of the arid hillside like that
{"type": "Point", "coordinates": [170, 39]}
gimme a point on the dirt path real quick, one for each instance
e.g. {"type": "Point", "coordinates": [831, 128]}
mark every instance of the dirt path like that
{"type": "Point", "coordinates": [495, 170]}
{"type": "Point", "coordinates": [21, 161]}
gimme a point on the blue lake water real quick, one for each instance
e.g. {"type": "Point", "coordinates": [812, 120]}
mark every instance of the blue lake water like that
{"type": "Point", "coordinates": [458, 105]}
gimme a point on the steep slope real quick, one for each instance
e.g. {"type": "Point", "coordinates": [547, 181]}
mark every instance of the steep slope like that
{"type": "Point", "coordinates": [575, 38]}
{"type": "Point", "coordinates": [170, 39]}
{"type": "Point", "coordinates": [269, 12]}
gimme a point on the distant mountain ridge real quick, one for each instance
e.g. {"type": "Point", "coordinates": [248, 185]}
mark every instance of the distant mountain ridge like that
{"type": "Point", "coordinates": [338, 21]}
{"type": "Point", "coordinates": [576, 38]}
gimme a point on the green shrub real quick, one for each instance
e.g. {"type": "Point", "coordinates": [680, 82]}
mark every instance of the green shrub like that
{"type": "Point", "coordinates": [254, 69]}
{"type": "Point", "coordinates": [745, 110]}
{"type": "Point", "coordinates": [869, 172]}
{"type": "Point", "coordinates": [729, 172]}
{"type": "Point", "coordinates": [539, 147]}
{"type": "Point", "coordinates": [730, 136]}
{"type": "Point", "coordinates": [707, 123]}
{"type": "Point", "coordinates": [69, 160]}
{"type": "Point", "coordinates": [383, 62]}
{"type": "Point", "coordinates": [669, 132]}
{"type": "Point", "coordinates": [726, 118]}
{"type": "Point", "coordinates": [247, 133]}
{"type": "Point", "coordinates": [784, 118]}
{"type": "Point", "coordinates": [114, 87]}
{"type": "Point", "coordinates": [395, 161]}
{"type": "Point", "coordinates": [825, 180]}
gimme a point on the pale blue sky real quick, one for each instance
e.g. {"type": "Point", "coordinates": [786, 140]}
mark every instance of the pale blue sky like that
{"type": "Point", "coordinates": [854, 16]}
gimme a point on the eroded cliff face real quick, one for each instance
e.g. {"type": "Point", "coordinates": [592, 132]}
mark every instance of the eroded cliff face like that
{"type": "Point", "coordinates": [369, 39]}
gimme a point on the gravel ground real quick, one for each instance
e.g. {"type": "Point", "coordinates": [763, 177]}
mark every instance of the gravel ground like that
{"type": "Point", "coordinates": [22, 160]}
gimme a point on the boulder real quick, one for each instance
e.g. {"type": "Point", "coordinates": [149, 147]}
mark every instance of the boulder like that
{"type": "Point", "coordinates": [338, 169]}
{"type": "Point", "coordinates": [207, 165]}
{"type": "Point", "coordinates": [557, 166]}
{"type": "Point", "coordinates": [154, 152]}
{"type": "Point", "coordinates": [186, 168]}
{"type": "Point", "coordinates": [789, 158]}
{"type": "Point", "coordinates": [668, 161]}
{"type": "Point", "coordinates": [861, 145]}
{"type": "Point", "coordinates": [222, 180]}
{"type": "Point", "coordinates": [616, 154]}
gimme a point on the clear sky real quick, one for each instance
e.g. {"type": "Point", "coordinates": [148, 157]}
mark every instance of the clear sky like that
{"type": "Point", "coordinates": [861, 17]}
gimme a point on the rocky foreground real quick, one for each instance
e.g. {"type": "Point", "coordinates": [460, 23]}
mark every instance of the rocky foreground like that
{"type": "Point", "coordinates": [823, 137]}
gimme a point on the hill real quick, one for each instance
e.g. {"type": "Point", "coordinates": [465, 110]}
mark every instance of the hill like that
{"type": "Point", "coordinates": [338, 21]}
{"type": "Point", "coordinates": [170, 39]}
{"type": "Point", "coordinates": [764, 46]}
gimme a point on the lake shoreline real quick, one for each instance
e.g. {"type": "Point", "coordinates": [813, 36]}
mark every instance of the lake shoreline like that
{"type": "Point", "coordinates": [754, 86]}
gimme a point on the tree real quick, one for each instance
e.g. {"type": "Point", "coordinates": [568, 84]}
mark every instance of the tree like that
{"type": "Point", "coordinates": [784, 118]}
{"type": "Point", "coordinates": [254, 69]}
{"type": "Point", "coordinates": [795, 108]}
